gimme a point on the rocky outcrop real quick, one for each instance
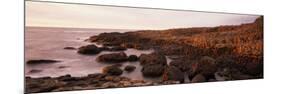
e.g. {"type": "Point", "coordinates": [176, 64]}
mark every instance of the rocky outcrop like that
{"type": "Point", "coordinates": [89, 50]}
{"type": "Point", "coordinates": [113, 57]}
{"type": "Point", "coordinates": [67, 82]}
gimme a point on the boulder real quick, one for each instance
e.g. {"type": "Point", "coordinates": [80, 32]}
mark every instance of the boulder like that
{"type": "Point", "coordinates": [41, 61]}
{"type": "Point", "coordinates": [205, 66]}
{"type": "Point", "coordinates": [174, 74]}
{"type": "Point", "coordinates": [89, 50]}
{"type": "Point", "coordinates": [153, 58]}
{"type": "Point", "coordinates": [198, 78]}
{"type": "Point", "coordinates": [133, 58]}
{"type": "Point", "coordinates": [113, 57]}
{"type": "Point", "coordinates": [112, 70]}
{"type": "Point", "coordinates": [129, 68]}
{"type": "Point", "coordinates": [183, 65]}
{"type": "Point", "coordinates": [153, 70]}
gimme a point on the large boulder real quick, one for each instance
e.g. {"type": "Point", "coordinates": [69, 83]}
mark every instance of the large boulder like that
{"type": "Point", "coordinates": [205, 66]}
{"type": "Point", "coordinates": [174, 74]}
{"type": "Point", "coordinates": [113, 57]}
{"type": "Point", "coordinates": [183, 65]}
{"type": "Point", "coordinates": [89, 50]}
{"type": "Point", "coordinates": [153, 58]}
{"type": "Point", "coordinates": [133, 58]}
{"type": "Point", "coordinates": [112, 70]}
{"type": "Point", "coordinates": [153, 70]}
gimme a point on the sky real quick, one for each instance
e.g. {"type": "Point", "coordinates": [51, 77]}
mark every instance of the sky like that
{"type": "Point", "coordinates": [92, 16]}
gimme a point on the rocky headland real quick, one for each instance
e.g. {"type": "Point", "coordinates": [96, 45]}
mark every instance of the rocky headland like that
{"type": "Point", "coordinates": [205, 54]}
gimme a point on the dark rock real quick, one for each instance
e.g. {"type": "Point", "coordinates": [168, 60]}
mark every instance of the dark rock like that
{"type": "Point", "coordinates": [174, 74]}
{"type": "Point", "coordinates": [183, 65]}
{"type": "Point", "coordinates": [133, 58]}
{"type": "Point", "coordinates": [113, 57]}
{"type": "Point", "coordinates": [118, 48]}
{"type": "Point", "coordinates": [231, 74]}
{"type": "Point", "coordinates": [198, 78]}
{"type": "Point", "coordinates": [111, 44]}
{"type": "Point", "coordinates": [35, 71]}
{"type": "Point", "coordinates": [62, 67]}
{"type": "Point", "coordinates": [153, 70]}
{"type": "Point", "coordinates": [69, 48]}
{"type": "Point", "coordinates": [41, 61]}
{"type": "Point", "coordinates": [42, 85]}
{"type": "Point", "coordinates": [104, 48]}
{"type": "Point", "coordinates": [89, 50]}
{"type": "Point", "coordinates": [112, 70]}
{"type": "Point", "coordinates": [206, 66]}
{"type": "Point", "coordinates": [129, 68]}
{"type": "Point", "coordinates": [153, 58]}
{"type": "Point", "coordinates": [225, 62]}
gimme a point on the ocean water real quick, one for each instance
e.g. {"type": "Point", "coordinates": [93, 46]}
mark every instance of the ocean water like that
{"type": "Point", "coordinates": [48, 43]}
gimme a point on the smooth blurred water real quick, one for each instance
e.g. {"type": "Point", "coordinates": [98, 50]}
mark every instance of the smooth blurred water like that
{"type": "Point", "coordinates": [48, 43]}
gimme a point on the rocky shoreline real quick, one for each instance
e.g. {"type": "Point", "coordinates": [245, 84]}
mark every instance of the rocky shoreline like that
{"type": "Point", "coordinates": [229, 54]}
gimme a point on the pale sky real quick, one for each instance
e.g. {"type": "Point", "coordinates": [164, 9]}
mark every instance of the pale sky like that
{"type": "Point", "coordinates": [92, 16]}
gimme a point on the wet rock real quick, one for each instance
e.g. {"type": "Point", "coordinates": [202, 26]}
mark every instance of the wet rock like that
{"type": "Point", "coordinates": [154, 58]}
{"type": "Point", "coordinates": [35, 71]}
{"type": "Point", "coordinates": [133, 58]}
{"type": "Point", "coordinates": [69, 48]}
{"type": "Point", "coordinates": [113, 57]}
{"type": "Point", "coordinates": [118, 48]}
{"type": "Point", "coordinates": [174, 74]}
{"type": "Point", "coordinates": [129, 68]}
{"type": "Point", "coordinates": [198, 78]}
{"type": "Point", "coordinates": [89, 50]}
{"type": "Point", "coordinates": [153, 70]}
{"type": "Point", "coordinates": [41, 61]}
{"type": "Point", "coordinates": [112, 70]}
